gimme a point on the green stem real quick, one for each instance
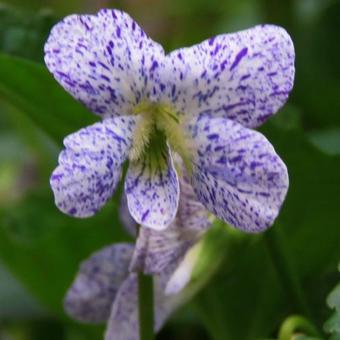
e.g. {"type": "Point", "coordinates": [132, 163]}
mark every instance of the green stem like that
{"type": "Point", "coordinates": [146, 306]}
{"type": "Point", "coordinates": [297, 324]}
{"type": "Point", "coordinates": [286, 271]}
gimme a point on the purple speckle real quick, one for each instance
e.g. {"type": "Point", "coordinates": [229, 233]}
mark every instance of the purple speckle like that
{"type": "Point", "coordinates": [239, 57]}
{"type": "Point", "coordinates": [118, 32]}
{"type": "Point", "coordinates": [73, 211]}
{"type": "Point", "coordinates": [213, 136]}
{"type": "Point", "coordinates": [153, 66]}
{"type": "Point", "coordinates": [145, 214]}
{"type": "Point", "coordinates": [211, 41]}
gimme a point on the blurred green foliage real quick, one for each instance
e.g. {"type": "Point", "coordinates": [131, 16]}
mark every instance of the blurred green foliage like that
{"type": "Point", "coordinates": [248, 298]}
{"type": "Point", "coordinates": [332, 325]}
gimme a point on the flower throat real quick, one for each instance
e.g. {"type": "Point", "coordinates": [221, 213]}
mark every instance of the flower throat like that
{"type": "Point", "coordinates": [158, 126]}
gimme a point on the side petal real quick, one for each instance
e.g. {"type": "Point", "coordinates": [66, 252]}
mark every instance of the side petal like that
{"type": "Point", "coordinates": [236, 173]}
{"type": "Point", "coordinates": [245, 76]}
{"type": "Point", "coordinates": [91, 295]}
{"type": "Point", "coordinates": [103, 60]}
{"type": "Point", "coordinates": [156, 250]}
{"type": "Point", "coordinates": [152, 193]}
{"type": "Point", "coordinates": [90, 166]}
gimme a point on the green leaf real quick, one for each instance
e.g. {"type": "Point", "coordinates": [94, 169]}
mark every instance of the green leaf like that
{"type": "Point", "coordinates": [43, 248]}
{"type": "Point", "coordinates": [15, 301]}
{"type": "Point", "coordinates": [305, 337]}
{"type": "Point", "coordinates": [316, 42]}
{"type": "Point", "coordinates": [295, 326]}
{"type": "Point", "coordinates": [333, 299]}
{"type": "Point", "coordinates": [31, 89]}
{"type": "Point", "coordinates": [327, 140]}
{"type": "Point", "coordinates": [332, 325]}
{"type": "Point", "coordinates": [24, 33]}
{"type": "Point", "coordinates": [335, 337]}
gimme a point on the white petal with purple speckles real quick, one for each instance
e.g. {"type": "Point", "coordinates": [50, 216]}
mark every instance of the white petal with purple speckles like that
{"type": "Point", "coordinates": [90, 166]}
{"type": "Point", "coordinates": [152, 195]}
{"type": "Point", "coordinates": [244, 76]}
{"type": "Point", "coordinates": [236, 173]}
{"type": "Point", "coordinates": [106, 60]}
{"type": "Point", "coordinates": [182, 275]}
{"type": "Point", "coordinates": [90, 297]}
{"type": "Point", "coordinates": [123, 323]}
{"type": "Point", "coordinates": [155, 250]}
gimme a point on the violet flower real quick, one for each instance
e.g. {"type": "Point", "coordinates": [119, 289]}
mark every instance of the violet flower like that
{"type": "Point", "coordinates": [200, 102]}
{"type": "Point", "coordinates": [105, 291]}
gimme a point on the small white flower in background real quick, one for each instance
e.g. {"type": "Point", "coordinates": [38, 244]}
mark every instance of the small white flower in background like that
{"type": "Point", "coordinates": [200, 102]}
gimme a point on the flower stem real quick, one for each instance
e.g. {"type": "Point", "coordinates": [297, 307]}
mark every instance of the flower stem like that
{"type": "Point", "coordinates": [286, 271]}
{"type": "Point", "coordinates": [146, 306]}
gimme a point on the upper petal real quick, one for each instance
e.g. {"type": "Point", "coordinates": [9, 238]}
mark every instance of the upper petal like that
{"type": "Point", "coordinates": [94, 289]}
{"type": "Point", "coordinates": [236, 173]}
{"type": "Point", "coordinates": [90, 166]}
{"type": "Point", "coordinates": [152, 192]}
{"type": "Point", "coordinates": [245, 76]}
{"type": "Point", "coordinates": [106, 60]}
{"type": "Point", "coordinates": [156, 250]}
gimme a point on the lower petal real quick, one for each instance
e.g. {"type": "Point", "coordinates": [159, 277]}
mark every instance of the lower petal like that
{"type": "Point", "coordinates": [152, 192]}
{"type": "Point", "coordinates": [236, 173]}
{"type": "Point", "coordinates": [156, 250]}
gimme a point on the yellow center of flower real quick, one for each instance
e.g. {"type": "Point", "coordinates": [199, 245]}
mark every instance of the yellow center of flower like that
{"type": "Point", "coordinates": [158, 125]}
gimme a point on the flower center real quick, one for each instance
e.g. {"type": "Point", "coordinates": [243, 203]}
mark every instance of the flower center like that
{"type": "Point", "coordinates": [158, 125]}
